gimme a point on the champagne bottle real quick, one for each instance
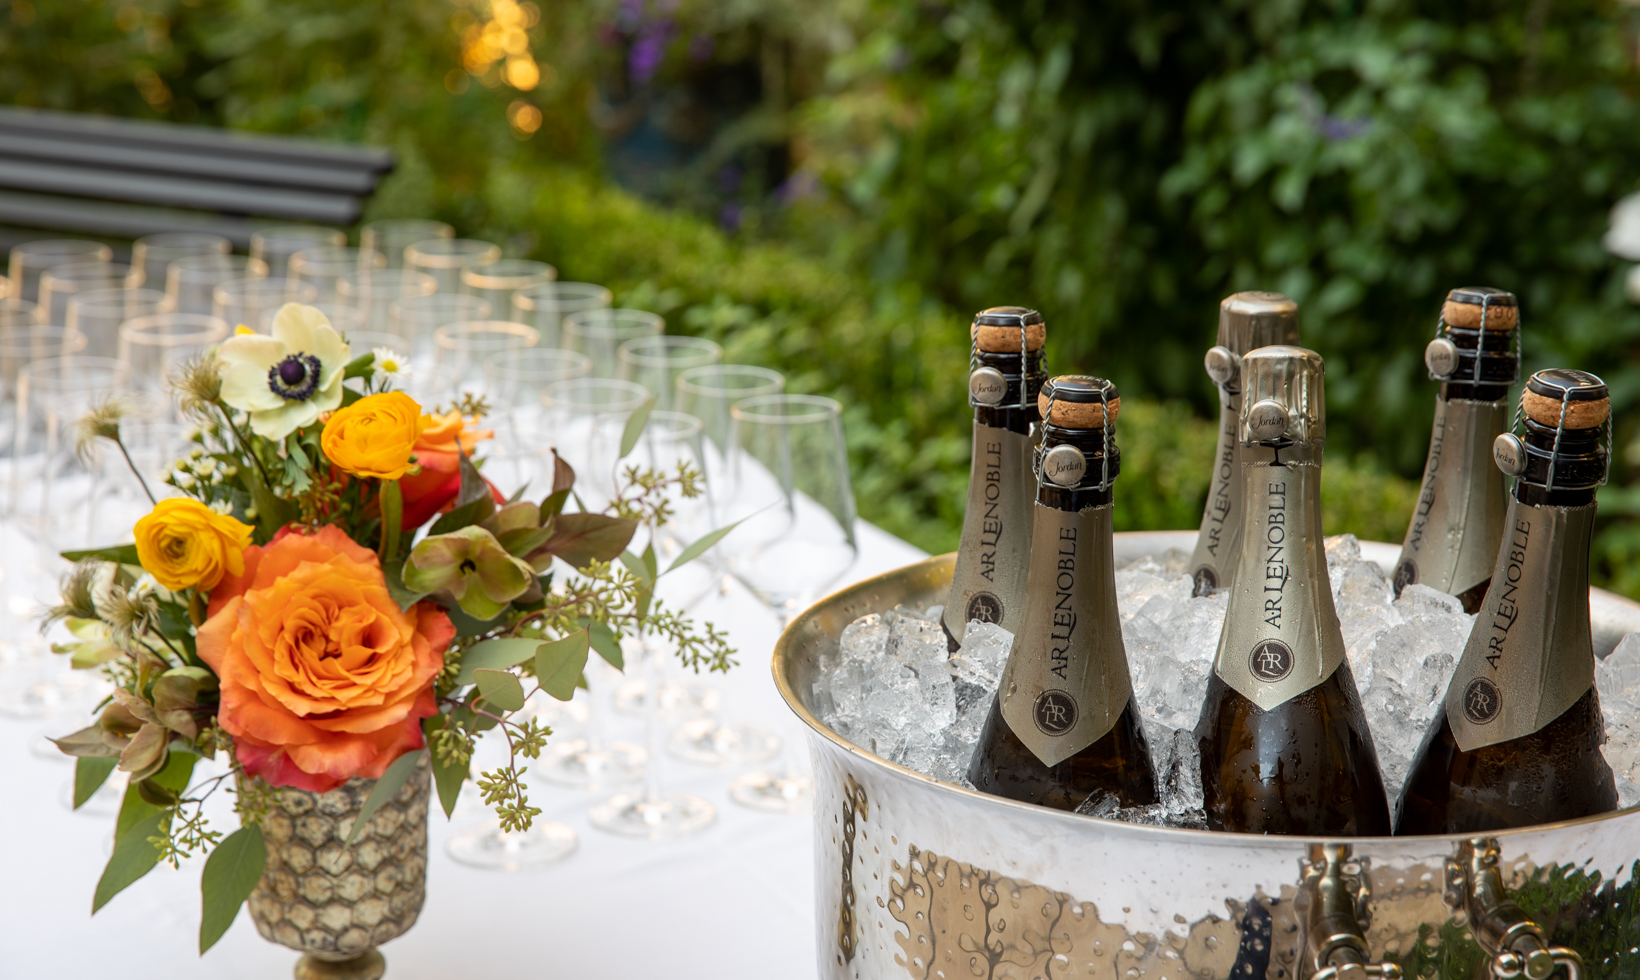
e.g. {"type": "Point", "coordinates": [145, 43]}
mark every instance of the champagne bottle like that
{"type": "Point", "coordinates": [1453, 537]}
{"type": "Point", "coordinates": [1284, 743]}
{"type": "Point", "coordinates": [1517, 740]}
{"type": "Point", "coordinates": [1063, 726]}
{"type": "Point", "coordinates": [1004, 378]}
{"type": "Point", "coordinates": [1247, 321]}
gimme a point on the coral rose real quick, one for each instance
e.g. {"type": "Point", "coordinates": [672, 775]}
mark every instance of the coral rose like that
{"type": "Point", "coordinates": [436, 486]}
{"type": "Point", "coordinates": [323, 677]}
{"type": "Point", "coordinates": [374, 436]}
{"type": "Point", "coordinates": [183, 543]}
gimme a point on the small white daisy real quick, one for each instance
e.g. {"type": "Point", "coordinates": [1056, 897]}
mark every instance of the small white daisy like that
{"type": "Point", "coordinates": [221, 506]}
{"type": "Point", "coordinates": [186, 481]}
{"type": "Point", "coordinates": [391, 367]}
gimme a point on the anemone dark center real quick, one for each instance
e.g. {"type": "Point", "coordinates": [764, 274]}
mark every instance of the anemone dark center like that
{"type": "Point", "coordinates": [295, 378]}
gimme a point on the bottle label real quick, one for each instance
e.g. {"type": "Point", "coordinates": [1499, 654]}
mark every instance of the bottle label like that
{"type": "Point", "coordinates": [989, 581]}
{"type": "Point", "coordinates": [1529, 655]}
{"type": "Point", "coordinates": [1281, 635]}
{"type": "Point", "coordinates": [1453, 538]}
{"type": "Point", "coordinates": [1221, 519]}
{"type": "Point", "coordinates": [1067, 680]}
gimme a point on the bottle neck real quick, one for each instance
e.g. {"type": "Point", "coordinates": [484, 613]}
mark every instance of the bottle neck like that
{"type": "Point", "coordinates": [1086, 493]}
{"type": "Point", "coordinates": [1017, 410]}
{"type": "Point", "coordinates": [1567, 476]}
{"type": "Point", "coordinates": [1486, 365]}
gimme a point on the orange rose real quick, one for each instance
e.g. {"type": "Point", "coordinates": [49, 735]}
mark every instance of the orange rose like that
{"type": "Point", "coordinates": [323, 677]}
{"type": "Point", "coordinates": [435, 487]}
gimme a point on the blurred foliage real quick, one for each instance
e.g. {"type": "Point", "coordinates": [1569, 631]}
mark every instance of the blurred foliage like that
{"type": "Point", "coordinates": [853, 177]}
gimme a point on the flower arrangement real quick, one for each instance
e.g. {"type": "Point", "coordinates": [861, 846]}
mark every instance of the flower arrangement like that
{"type": "Point", "coordinates": [337, 592]}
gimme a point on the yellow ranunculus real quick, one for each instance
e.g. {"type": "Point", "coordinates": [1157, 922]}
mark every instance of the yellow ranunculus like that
{"type": "Point", "coordinates": [375, 435]}
{"type": "Point", "coordinates": [183, 543]}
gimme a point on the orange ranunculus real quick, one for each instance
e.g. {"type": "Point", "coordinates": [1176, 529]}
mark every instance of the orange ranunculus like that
{"type": "Point", "coordinates": [374, 436]}
{"type": "Point", "coordinates": [435, 487]}
{"type": "Point", "coordinates": [323, 677]}
{"type": "Point", "coordinates": [183, 544]}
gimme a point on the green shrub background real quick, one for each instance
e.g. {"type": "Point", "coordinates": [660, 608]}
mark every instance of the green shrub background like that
{"type": "Point", "coordinates": [1120, 166]}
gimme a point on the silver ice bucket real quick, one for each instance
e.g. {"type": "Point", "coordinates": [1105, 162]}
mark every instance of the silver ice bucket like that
{"type": "Point", "coordinates": [919, 878]}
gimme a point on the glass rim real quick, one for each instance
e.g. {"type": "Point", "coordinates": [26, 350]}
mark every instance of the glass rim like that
{"type": "Point", "coordinates": [404, 224]}
{"type": "Point", "coordinates": [66, 336]}
{"type": "Point", "coordinates": [691, 349]}
{"type": "Point", "coordinates": [457, 336]}
{"type": "Point", "coordinates": [163, 239]}
{"type": "Point", "coordinates": [451, 253]}
{"type": "Point", "coordinates": [262, 287]}
{"type": "Point", "coordinates": [487, 276]}
{"type": "Point", "coordinates": [565, 291]}
{"type": "Point", "coordinates": [71, 371]}
{"type": "Point", "coordinates": [18, 306]}
{"type": "Point", "coordinates": [328, 258]}
{"type": "Point", "coordinates": [511, 364]}
{"type": "Point", "coordinates": [437, 303]}
{"type": "Point", "coordinates": [295, 232]}
{"type": "Point", "coordinates": [686, 380]}
{"type": "Point", "coordinates": [361, 282]}
{"type": "Point", "coordinates": [62, 246]}
{"type": "Point", "coordinates": [196, 268]}
{"type": "Point", "coordinates": [818, 409]}
{"type": "Point", "coordinates": [683, 425]}
{"type": "Point", "coordinates": [206, 329]}
{"type": "Point", "coordinates": [114, 296]}
{"type": "Point", "coordinates": [559, 395]}
{"type": "Point", "coordinates": [612, 321]}
{"type": "Point", "coordinates": [70, 271]}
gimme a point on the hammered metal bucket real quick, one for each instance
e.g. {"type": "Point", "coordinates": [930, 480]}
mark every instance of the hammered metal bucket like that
{"type": "Point", "coordinates": [334, 901]}
{"type": "Point", "coordinates": [919, 878]}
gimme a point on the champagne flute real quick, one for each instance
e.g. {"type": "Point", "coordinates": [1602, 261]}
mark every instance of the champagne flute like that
{"type": "Point", "coordinates": [499, 280]}
{"type": "Point", "coordinates": [276, 244]}
{"type": "Point", "coordinates": [445, 258]}
{"type": "Point", "coordinates": [656, 362]}
{"type": "Point", "coordinates": [795, 538]}
{"type": "Point", "coordinates": [152, 255]}
{"type": "Point", "coordinates": [598, 333]}
{"type": "Point", "coordinates": [30, 259]}
{"type": "Point", "coordinates": [392, 236]}
{"type": "Point", "coordinates": [545, 305]}
{"type": "Point", "coordinates": [190, 283]}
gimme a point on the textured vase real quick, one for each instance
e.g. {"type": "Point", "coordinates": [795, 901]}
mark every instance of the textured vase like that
{"type": "Point", "coordinates": [337, 902]}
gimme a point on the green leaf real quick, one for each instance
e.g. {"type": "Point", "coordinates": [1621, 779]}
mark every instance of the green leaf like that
{"type": "Point", "coordinates": [272, 511]}
{"type": "Point", "coordinates": [473, 485]}
{"type": "Point", "coordinates": [634, 426]}
{"type": "Point", "coordinates": [447, 779]}
{"type": "Point", "coordinates": [604, 641]}
{"type": "Point", "coordinates": [134, 856]}
{"type": "Point", "coordinates": [500, 688]}
{"type": "Point", "coordinates": [523, 540]}
{"type": "Point", "coordinates": [495, 655]}
{"type": "Point", "coordinates": [700, 546]}
{"type": "Point", "coordinates": [637, 567]}
{"type": "Point", "coordinates": [389, 783]}
{"type": "Point", "coordinates": [179, 767]}
{"type": "Point", "coordinates": [231, 872]}
{"type": "Point", "coordinates": [90, 772]}
{"type": "Point", "coordinates": [392, 505]}
{"type": "Point", "coordinates": [559, 664]}
{"type": "Point", "coordinates": [359, 367]}
{"type": "Point", "coordinates": [393, 572]}
{"type": "Point", "coordinates": [554, 504]}
{"type": "Point", "coordinates": [649, 562]}
{"type": "Point", "coordinates": [125, 554]}
{"type": "Point", "coordinates": [580, 539]}
{"type": "Point", "coordinates": [465, 515]}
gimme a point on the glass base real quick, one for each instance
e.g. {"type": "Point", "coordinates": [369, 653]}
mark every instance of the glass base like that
{"type": "Point", "coordinates": [578, 765]}
{"type": "Point", "coordinates": [678, 700]}
{"type": "Point", "coordinates": [665, 817]}
{"type": "Point", "coordinates": [487, 846]}
{"type": "Point", "coordinates": [770, 793]}
{"type": "Point", "coordinates": [705, 742]}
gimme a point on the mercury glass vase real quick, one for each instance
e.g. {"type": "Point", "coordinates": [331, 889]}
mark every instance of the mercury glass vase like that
{"type": "Point", "coordinates": [336, 902]}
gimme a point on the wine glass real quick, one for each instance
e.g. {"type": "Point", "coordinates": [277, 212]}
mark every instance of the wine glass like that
{"type": "Point", "coordinates": [499, 280]}
{"type": "Point", "coordinates": [247, 302]}
{"type": "Point", "coordinates": [544, 306]}
{"type": "Point", "coordinates": [276, 244]}
{"type": "Point", "coordinates": [99, 314]}
{"type": "Point", "coordinates": [323, 265]}
{"type": "Point", "coordinates": [190, 283]}
{"type": "Point", "coordinates": [152, 255]}
{"type": "Point", "coordinates": [415, 318]}
{"type": "Point", "coordinates": [598, 333]}
{"type": "Point", "coordinates": [795, 536]}
{"type": "Point", "coordinates": [515, 380]}
{"type": "Point", "coordinates": [656, 362]}
{"type": "Point", "coordinates": [392, 236]}
{"type": "Point", "coordinates": [373, 292]}
{"type": "Point", "coordinates": [28, 260]}
{"type": "Point", "coordinates": [445, 258]}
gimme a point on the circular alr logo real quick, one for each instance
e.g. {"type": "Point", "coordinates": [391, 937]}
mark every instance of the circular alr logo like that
{"type": "Point", "coordinates": [1271, 661]}
{"type": "Point", "coordinates": [1206, 581]}
{"type": "Point", "coordinates": [1482, 701]}
{"type": "Point", "coordinates": [1055, 712]}
{"type": "Point", "coordinates": [1406, 573]}
{"type": "Point", "coordinates": [984, 607]}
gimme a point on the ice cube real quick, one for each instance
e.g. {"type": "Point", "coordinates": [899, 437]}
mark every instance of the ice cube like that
{"type": "Point", "coordinates": [1617, 680]}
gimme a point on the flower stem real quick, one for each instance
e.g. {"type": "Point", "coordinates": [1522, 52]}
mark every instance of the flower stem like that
{"type": "Point", "coordinates": [134, 471]}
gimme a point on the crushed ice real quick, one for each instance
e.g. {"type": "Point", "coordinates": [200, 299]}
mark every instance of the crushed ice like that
{"type": "Point", "coordinates": [893, 688]}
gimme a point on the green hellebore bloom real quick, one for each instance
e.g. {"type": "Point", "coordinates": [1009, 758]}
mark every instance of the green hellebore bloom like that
{"type": "Point", "coordinates": [472, 567]}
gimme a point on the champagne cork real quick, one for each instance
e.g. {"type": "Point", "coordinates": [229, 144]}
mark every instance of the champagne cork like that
{"type": "Point", "coordinates": [996, 330]}
{"type": "Point", "coordinates": [1282, 396]}
{"type": "Point", "coordinates": [1255, 319]}
{"type": "Point", "coordinates": [1586, 400]}
{"type": "Point", "coordinates": [1076, 403]}
{"type": "Point", "coordinates": [1463, 308]}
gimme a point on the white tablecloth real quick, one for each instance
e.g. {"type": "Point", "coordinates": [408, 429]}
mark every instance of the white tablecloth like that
{"type": "Point", "coordinates": [735, 901]}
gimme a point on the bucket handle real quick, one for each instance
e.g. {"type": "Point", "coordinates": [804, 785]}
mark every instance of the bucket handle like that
{"type": "Point", "coordinates": [1337, 913]}
{"type": "Point", "coordinates": [1517, 945]}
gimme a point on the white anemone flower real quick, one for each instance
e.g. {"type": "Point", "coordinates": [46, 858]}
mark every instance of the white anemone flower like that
{"type": "Point", "coordinates": [287, 380]}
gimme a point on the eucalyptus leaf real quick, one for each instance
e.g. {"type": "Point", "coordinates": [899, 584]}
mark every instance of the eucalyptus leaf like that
{"type": "Point", "coordinates": [389, 783]}
{"type": "Point", "coordinates": [231, 873]}
{"type": "Point", "coordinates": [495, 655]}
{"type": "Point", "coordinates": [607, 644]}
{"type": "Point", "coordinates": [559, 664]}
{"type": "Point", "coordinates": [580, 539]}
{"type": "Point", "coordinates": [500, 688]}
{"type": "Point", "coordinates": [554, 504]}
{"type": "Point", "coordinates": [125, 554]}
{"type": "Point", "coordinates": [447, 778]}
{"type": "Point", "coordinates": [699, 547]}
{"type": "Point", "coordinates": [134, 856]}
{"type": "Point", "coordinates": [90, 772]}
{"type": "Point", "coordinates": [634, 426]}
{"type": "Point", "coordinates": [638, 568]}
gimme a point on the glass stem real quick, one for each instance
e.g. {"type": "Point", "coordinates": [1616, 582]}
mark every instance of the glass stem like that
{"type": "Point", "coordinates": [651, 722]}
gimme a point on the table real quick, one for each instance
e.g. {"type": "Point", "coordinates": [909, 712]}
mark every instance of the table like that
{"type": "Point", "coordinates": [735, 901]}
